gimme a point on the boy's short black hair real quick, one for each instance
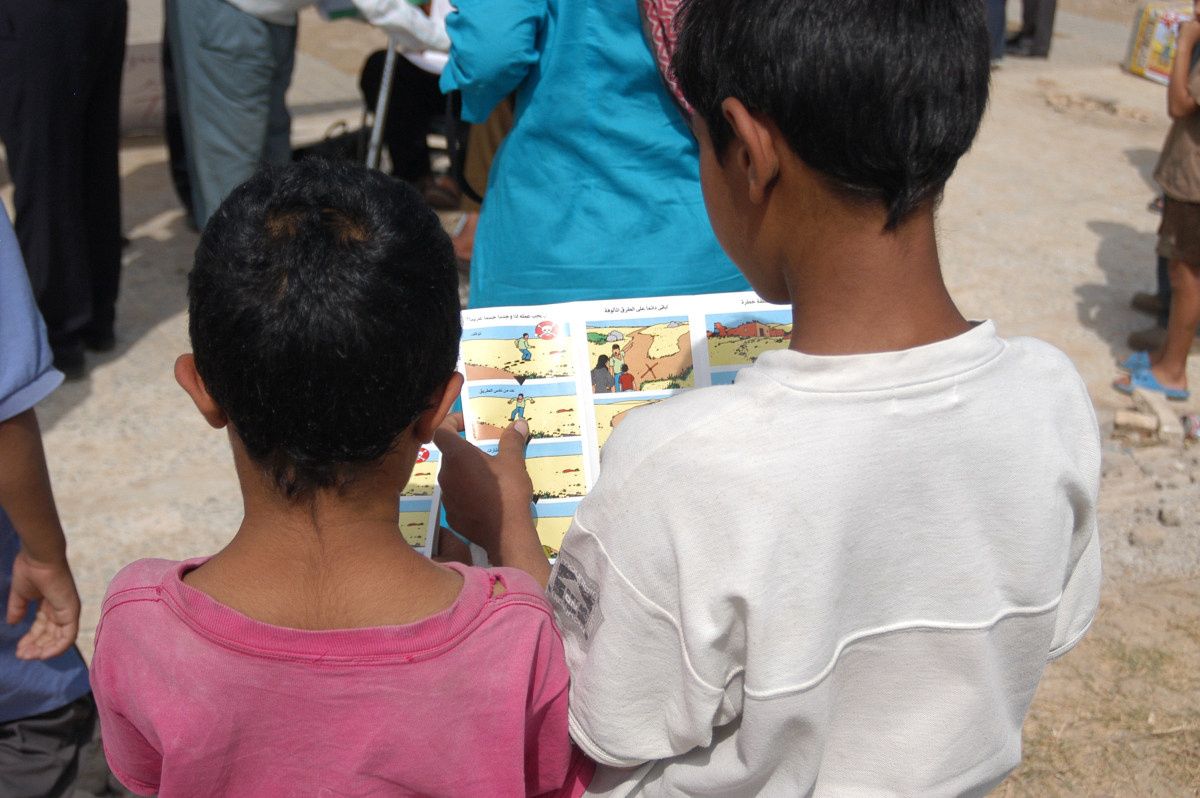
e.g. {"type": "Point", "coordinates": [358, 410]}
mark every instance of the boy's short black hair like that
{"type": "Point", "coordinates": [882, 98]}
{"type": "Point", "coordinates": [324, 317]}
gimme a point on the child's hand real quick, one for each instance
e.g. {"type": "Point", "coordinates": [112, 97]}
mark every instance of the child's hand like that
{"type": "Point", "coordinates": [486, 498]}
{"type": "Point", "coordinates": [57, 622]}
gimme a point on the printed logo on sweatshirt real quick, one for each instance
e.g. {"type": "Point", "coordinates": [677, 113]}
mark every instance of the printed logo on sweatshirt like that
{"type": "Point", "coordinates": [576, 600]}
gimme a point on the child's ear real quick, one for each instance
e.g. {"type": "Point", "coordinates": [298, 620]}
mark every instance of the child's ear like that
{"type": "Point", "coordinates": [428, 421]}
{"type": "Point", "coordinates": [189, 379]}
{"type": "Point", "coordinates": [755, 147]}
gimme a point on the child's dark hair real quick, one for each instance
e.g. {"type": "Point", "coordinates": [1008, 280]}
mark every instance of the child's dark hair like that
{"type": "Point", "coordinates": [882, 98]}
{"type": "Point", "coordinates": [324, 317]}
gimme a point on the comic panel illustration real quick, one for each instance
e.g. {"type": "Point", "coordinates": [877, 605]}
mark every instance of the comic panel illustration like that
{"type": "Point", "coordinates": [640, 355]}
{"type": "Point", "coordinates": [414, 520]}
{"type": "Point", "coordinates": [548, 408]}
{"type": "Point", "coordinates": [612, 410]}
{"type": "Point", "coordinates": [553, 519]}
{"type": "Point", "coordinates": [555, 468]}
{"type": "Point", "coordinates": [519, 352]}
{"type": "Point", "coordinates": [424, 475]}
{"type": "Point", "coordinates": [737, 339]}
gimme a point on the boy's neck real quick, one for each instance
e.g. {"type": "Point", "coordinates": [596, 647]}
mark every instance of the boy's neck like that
{"type": "Point", "coordinates": [857, 289]}
{"type": "Point", "coordinates": [334, 560]}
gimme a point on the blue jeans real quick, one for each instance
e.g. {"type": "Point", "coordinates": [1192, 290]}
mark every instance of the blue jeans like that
{"type": "Point", "coordinates": [518, 412]}
{"type": "Point", "coordinates": [526, 354]}
{"type": "Point", "coordinates": [232, 71]}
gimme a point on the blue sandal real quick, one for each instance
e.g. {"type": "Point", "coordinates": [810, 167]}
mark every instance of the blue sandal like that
{"type": "Point", "coordinates": [1145, 379]}
{"type": "Point", "coordinates": [1138, 361]}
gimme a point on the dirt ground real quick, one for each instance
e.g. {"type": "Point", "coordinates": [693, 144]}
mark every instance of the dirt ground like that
{"type": "Point", "coordinates": [1120, 714]}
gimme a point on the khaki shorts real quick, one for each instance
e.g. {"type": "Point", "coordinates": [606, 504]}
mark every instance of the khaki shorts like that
{"type": "Point", "coordinates": [1179, 233]}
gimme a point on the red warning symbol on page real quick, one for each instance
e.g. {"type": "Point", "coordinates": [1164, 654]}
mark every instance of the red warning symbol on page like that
{"type": "Point", "coordinates": [423, 455]}
{"type": "Point", "coordinates": [546, 330]}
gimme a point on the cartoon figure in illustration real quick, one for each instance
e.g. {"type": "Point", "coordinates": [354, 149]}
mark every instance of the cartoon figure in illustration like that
{"type": "Point", "coordinates": [625, 382]}
{"type": "Point", "coordinates": [616, 364]}
{"type": "Point", "coordinates": [519, 410]}
{"type": "Point", "coordinates": [523, 345]}
{"type": "Point", "coordinates": [602, 378]}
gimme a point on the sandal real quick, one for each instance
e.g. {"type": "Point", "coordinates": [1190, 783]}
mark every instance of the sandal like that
{"type": "Point", "coordinates": [1146, 381]}
{"type": "Point", "coordinates": [1138, 361]}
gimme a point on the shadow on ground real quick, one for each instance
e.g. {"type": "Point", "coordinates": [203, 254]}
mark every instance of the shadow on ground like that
{"type": "Point", "coordinates": [1144, 160]}
{"type": "Point", "coordinates": [1104, 308]}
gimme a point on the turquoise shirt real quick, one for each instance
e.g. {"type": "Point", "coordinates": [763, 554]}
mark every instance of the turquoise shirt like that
{"type": "Point", "coordinates": [595, 194]}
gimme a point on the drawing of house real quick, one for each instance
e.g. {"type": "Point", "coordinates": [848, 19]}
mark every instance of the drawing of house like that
{"type": "Point", "coordinates": [751, 329]}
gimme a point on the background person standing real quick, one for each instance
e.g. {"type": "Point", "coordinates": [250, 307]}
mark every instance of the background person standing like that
{"type": "Point", "coordinates": [46, 707]}
{"type": "Point", "coordinates": [60, 85]}
{"type": "Point", "coordinates": [233, 65]}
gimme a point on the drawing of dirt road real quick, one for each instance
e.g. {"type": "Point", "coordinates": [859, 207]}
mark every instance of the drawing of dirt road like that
{"type": "Point", "coordinates": [488, 359]}
{"type": "Point", "coordinates": [656, 372]}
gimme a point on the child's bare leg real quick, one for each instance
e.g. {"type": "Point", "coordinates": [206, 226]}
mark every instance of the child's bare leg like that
{"type": "Point", "coordinates": [1170, 364]}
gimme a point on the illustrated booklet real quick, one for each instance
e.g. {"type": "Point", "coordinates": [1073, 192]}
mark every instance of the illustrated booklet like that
{"type": "Point", "coordinates": [574, 372]}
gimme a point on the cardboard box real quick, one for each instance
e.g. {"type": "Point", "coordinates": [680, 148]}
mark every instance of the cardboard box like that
{"type": "Point", "coordinates": [1152, 45]}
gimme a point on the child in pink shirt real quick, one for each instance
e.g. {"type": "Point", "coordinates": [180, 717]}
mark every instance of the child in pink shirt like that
{"type": "Point", "coordinates": [318, 654]}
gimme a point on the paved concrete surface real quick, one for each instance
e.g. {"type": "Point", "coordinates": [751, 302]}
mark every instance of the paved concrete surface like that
{"type": "Point", "coordinates": [1044, 229]}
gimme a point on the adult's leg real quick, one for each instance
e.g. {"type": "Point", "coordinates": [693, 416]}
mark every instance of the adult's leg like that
{"type": "Point", "coordinates": [39, 756]}
{"type": "Point", "coordinates": [997, 20]}
{"type": "Point", "coordinates": [278, 149]}
{"type": "Point", "coordinates": [42, 100]}
{"type": "Point", "coordinates": [1029, 14]}
{"type": "Point", "coordinates": [1043, 28]}
{"type": "Point", "coordinates": [101, 175]}
{"type": "Point", "coordinates": [415, 99]}
{"type": "Point", "coordinates": [173, 124]}
{"type": "Point", "coordinates": [226, 69]}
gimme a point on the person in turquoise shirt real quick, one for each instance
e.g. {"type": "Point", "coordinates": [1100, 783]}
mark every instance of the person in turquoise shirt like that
{"type": "Point", "coordinates": [595, 194]}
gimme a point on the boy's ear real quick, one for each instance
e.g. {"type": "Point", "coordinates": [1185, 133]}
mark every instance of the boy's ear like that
{"type": "Point", "coordinates": [189, 379]}
{"type": "Point", "coordinates": [429, 420]}
{"type": "Point", "coordinates": [754, 146]}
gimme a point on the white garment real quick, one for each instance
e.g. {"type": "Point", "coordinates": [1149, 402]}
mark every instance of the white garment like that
{"type": "Point", "coordinates": [416, 32]}
{"type": "Point", "coordinates": [840, 576]}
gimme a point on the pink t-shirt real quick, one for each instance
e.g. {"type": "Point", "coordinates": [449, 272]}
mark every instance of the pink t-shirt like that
{"type": "Point", "coordinates": [196, 699]}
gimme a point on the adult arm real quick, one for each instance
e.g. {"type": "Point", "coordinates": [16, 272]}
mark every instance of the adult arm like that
{"type": "Point", "coordinates": [493, 47]}
{"type": "Point", "coordinates": [40, 571]}
{"type": "Point", "coordinates": [27, 376]}
{"type": "Point", "coordinates": [415, 30]}
{"type": "Point", "coordinates": [1181, 96]}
